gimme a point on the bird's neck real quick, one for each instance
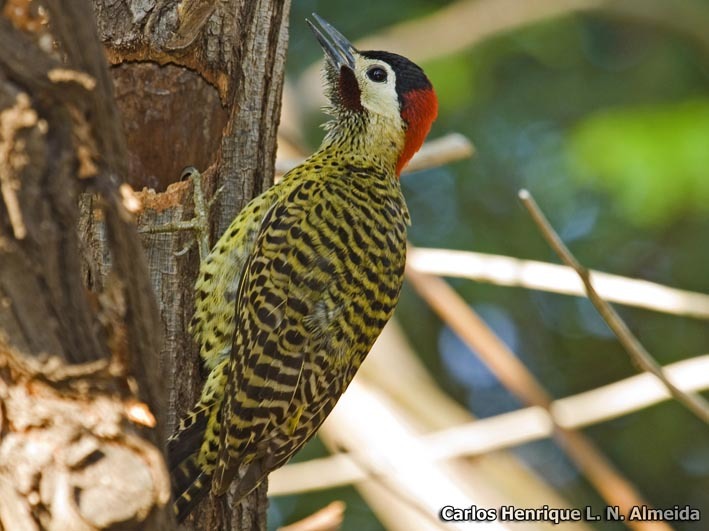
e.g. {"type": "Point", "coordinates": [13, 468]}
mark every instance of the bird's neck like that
{"type": "Point", "coordinates": [366, 139]}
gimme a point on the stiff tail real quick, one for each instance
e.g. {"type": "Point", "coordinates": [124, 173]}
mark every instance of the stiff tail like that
{"type": "Point", "coordinates": [189, 485]}
{"type": "Point", "coordinates": [190, 482]}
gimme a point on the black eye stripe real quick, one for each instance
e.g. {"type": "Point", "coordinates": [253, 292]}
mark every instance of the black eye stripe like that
{"type": "Point", "coordinates": [377, 74]}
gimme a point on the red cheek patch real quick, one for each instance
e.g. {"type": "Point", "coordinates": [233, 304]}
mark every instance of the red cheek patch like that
{"type": "Point", "coordinates": [419, 110]}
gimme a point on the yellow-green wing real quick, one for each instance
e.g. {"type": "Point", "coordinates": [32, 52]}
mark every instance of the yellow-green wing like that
{"type": "Point", "coordinates": [316, 291]}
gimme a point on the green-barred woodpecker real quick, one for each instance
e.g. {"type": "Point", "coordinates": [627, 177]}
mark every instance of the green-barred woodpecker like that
{"type": "Point", "coordinates": [296, 291]}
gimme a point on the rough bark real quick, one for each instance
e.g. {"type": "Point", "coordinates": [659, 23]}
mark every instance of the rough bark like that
{"type": "Point", "coordinates": [82, 364]}
{"type": "Point", "coordinates": [78, 367]}
{"type": "Point", "coordinates": [198, 87]}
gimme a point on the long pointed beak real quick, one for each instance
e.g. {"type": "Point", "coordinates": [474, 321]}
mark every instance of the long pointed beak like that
{"type": "Point", "coordinates": [338, 49]}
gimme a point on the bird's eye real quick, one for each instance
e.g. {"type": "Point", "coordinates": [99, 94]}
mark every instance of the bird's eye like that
{"type": "Point", "coordinates": [377, 74]}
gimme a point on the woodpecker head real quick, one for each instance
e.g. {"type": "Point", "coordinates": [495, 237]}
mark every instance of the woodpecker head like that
{"type": "Point", "coordinates": [383, 96]}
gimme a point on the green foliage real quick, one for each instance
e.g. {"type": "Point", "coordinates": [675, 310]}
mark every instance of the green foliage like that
{"type": "Point", "coordinates": [453, 76]}
{"type": "Point", "coordinates": [653, 159]}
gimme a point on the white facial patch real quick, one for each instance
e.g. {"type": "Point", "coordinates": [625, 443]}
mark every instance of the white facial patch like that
{"type": "Point", "coordinates": [378, 97]}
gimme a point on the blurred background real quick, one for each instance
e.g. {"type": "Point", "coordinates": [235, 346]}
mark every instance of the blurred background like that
{"type": "Point", "coordinates": [601, 110]}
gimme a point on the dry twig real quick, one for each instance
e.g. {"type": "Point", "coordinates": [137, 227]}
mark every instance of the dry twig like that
{"type": "Point", "coordinates": [395, 459]}
{"type": "Point", "coordinates": [329, 518]}
{"type": "Point", "coordinates": [490, 480]}
{"type": "Point", "coordinates": [601, 473]}
{"type": "Point", "coordinates": [508, 429]}
{"type": "Point", "coordinates": [509, 271]}
{"type": "Point", "coordinates": [695, 403]}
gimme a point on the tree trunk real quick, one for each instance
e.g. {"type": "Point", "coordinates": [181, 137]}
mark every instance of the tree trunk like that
{"type": "Point", "coordinates": [201, 88]}
{"type": "Point", "coordinates": [79, 378]}
{"type": "Point", "coordinates": [196, 83]}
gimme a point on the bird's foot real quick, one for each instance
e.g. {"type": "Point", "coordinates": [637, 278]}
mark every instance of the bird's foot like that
{"type": "Point", "coordinates": [199, 222]}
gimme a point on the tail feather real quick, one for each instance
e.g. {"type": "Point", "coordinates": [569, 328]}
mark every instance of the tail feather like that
{"type": "Point", "coordinates": [189, 436]}
{"type": "Point", "coordinates": [190, 485]}
{"type": "Point", "coordinates": [190, 482]}
{"type": "Point", "coordinates": [198, 430]}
